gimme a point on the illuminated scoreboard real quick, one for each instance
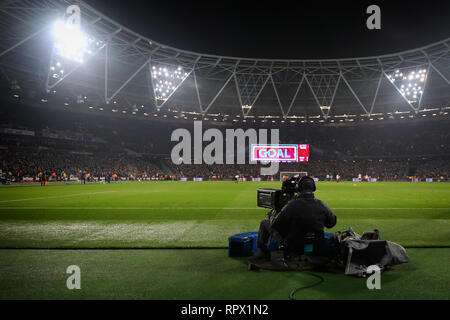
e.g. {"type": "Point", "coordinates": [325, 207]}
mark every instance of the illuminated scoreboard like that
{"type": "Point", "coordinates": [303, 152]}
{"type": "Point", "coordinates": [280, 152]}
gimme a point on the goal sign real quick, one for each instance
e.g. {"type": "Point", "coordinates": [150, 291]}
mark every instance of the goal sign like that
{"type": "Point", "coordinates": [280, 152]}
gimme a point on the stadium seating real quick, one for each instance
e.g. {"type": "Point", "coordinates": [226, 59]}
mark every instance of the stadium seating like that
{"type": "Point", "coordinates": [100, 145]}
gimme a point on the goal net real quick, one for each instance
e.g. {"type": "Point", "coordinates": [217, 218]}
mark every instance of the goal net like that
{"type": "Point", "coordinates": [284, 175]}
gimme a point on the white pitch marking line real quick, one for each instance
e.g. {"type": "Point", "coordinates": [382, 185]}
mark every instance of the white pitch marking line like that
{"type": "Point", "coordinates": [66, 196]}
{"type": "Point", "coordinates": [191, 208]}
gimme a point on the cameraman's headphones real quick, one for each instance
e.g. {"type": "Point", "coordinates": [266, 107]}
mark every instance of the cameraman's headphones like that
{"type": "Point", "coordinates": [302, 180]}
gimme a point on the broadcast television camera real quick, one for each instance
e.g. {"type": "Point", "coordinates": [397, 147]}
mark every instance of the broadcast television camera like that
{"type": "Point", "coordinates": [276, 199]}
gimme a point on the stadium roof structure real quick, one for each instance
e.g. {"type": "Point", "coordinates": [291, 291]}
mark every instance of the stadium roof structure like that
{"type": "Point", "coordinates": [123, 71]}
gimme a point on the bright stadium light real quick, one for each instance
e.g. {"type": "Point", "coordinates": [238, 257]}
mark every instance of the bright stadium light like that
{"type": "Point", "coordinates": [166, 80]}
{"type": "Point", "coordinates": [409, 83]}
{"type": "Point", "coordinates": [71, 43]}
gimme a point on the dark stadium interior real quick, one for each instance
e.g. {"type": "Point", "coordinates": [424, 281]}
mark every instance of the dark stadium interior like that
{"type": "Point", "coordinates": [173, 150]}
{"type": "Point", "coordinates": [106, 116]}
{"type": "Point", "coordinates": [284, 29]}
{"type": "Point", "coordinates": [70, 142]}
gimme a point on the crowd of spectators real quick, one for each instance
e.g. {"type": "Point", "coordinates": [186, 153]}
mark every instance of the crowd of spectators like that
{"type": "Point", "coordinates": [387, 140]}
{"type": "Point", "coordinates": [76, 144]}
{"type": "Point", "coordinates": [77, 165]}
{"type": "Point", "coordinates": [326, 169]}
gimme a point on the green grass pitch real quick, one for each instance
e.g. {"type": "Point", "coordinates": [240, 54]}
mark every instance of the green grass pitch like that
{"type": "Point", "coordinates": [203, 215]}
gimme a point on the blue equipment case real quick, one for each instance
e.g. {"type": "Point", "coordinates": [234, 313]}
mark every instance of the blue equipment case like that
{"type": "Point", "coordinates": [244, 244]}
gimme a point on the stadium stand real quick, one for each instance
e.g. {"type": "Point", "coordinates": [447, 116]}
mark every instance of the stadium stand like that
{"type": "Point", "coordinates": [74, 144]}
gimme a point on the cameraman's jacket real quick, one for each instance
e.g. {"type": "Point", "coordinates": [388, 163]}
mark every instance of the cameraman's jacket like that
{"type": "Point", "coordinates": [304, 214]}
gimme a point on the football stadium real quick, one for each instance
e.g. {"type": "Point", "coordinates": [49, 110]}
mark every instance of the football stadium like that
{"type": "Point", "coordinates": [143, 166]}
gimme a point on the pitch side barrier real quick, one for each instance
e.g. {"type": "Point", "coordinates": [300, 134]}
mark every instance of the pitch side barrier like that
{"type": "Point", "coordinates": [37, 183]}
{"type": "Point", "coordinates": [355, 180]}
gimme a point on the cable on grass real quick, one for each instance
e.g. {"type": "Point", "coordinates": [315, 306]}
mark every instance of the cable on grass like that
{"type": "Point", "coordinates": [321, 279]}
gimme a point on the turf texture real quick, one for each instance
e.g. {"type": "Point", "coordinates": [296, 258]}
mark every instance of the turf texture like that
{"type": "Point", "coordinates": [205, 214]}
{"type": "Point", "coordinates": [203, 274]}
{"type": "Point", "coordinates": [163, 215]}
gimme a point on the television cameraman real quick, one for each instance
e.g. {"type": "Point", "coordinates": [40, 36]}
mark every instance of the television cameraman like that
{"type": "Point", "coordinates": [301, 215]}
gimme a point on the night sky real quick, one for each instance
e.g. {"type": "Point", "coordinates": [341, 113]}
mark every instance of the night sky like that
{"type": "Point", "coordinates": [283, 29]}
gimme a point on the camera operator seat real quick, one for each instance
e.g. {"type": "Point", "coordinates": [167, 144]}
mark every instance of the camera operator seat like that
{"type": "Point", "coordinates": [310, 243]}
{"type": "Point", "coordinates": [315, 250]}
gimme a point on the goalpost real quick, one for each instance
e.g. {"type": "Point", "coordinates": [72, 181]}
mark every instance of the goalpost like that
{"type": "Point", "coordinates": [284, 175]}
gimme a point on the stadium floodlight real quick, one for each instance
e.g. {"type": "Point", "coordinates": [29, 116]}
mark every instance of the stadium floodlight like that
{"type": "Point", "coordinates": [166, 80]}
{"type": "Point", "coordinates": [410, 83]}
{"type": "Point", "coordinates": [71, 47]}
{"type": "Point", "coordinates": [71, 43]}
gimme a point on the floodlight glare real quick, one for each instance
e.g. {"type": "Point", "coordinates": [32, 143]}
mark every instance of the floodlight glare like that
{"type": "Point", "coordinates": [166, 81]}
{"type": "Point", "coordinates": [71, 43]}
{"type": "Point", "coordinates": [409, 84]}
